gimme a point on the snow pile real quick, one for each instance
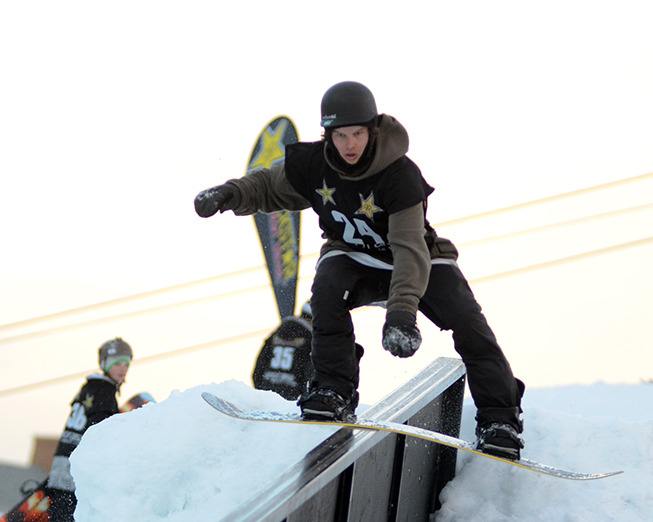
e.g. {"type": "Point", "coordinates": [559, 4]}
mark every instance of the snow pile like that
{"type": "Point", "coordinates": [181, 461]}
{"type": "Point", "coordinates": [609, 435]}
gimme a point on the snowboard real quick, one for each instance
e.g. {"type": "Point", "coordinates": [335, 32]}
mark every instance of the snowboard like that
{"type": "Point", "coordinates": [231, 410]}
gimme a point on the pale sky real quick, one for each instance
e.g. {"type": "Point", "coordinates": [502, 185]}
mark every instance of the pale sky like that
{"type": "Point", "coordinates": [114, 115]}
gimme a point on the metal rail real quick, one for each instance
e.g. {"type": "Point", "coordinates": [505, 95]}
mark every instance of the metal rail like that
{"type": "Point", "coordinates": [363, 475]}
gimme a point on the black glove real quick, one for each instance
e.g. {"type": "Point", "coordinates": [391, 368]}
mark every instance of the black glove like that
{"type": "Point", "coordinates": [401, 336]}
{"type": "Point", "coordinates": [223, 197]}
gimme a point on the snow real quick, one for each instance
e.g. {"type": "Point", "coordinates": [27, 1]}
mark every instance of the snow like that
{"type": "Point", "coordinates": [179, 460]}
{"type": "Point", "coordinates": [586, 428]}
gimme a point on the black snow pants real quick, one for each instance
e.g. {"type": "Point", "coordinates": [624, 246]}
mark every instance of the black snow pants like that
{"type": "Point", "coordinates": [342, 284]}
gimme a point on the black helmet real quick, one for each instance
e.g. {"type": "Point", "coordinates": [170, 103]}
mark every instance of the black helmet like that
{"type": "Point", "coordinates": [115, 351]}
{"type": "Point", "coordinates": [347, 103]}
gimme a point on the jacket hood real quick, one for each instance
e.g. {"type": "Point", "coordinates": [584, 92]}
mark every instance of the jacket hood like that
{"type": "Point", "coordinates": [391, 144]}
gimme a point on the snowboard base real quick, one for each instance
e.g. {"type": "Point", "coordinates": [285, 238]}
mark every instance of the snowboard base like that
{"type": "Point", "coordinates": [227, 408]}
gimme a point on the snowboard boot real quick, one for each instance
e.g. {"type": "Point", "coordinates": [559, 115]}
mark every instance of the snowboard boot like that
{"type": "Point", "coordinates": [325, 404]}
{"type": "Point", "coordinates": [499, 439]}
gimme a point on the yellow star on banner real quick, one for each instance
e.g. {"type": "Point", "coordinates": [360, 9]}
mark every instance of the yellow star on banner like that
{"type": "Point", "coordinates": [271, 148]}
{"type": "Point", "coordinates": [368, 208]}
{"type": "Point", "coordinates": [326, 193]}
{"type": "Point", "coordinates": [88, 402]}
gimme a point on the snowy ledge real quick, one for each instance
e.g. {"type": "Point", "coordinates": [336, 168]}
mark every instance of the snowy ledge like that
{"type": "Point", "coordinates": [179, 460]}
{"type": "Point", "coordinates": [313, 488]}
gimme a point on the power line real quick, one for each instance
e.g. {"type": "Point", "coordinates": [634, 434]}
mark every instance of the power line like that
{"type": "Point", "coordinates": [559, 224]}
{"type": "Point", "coordinates": [564, 260]}
{"type": "Point", "coordinates": [199, 282]}
{"type": "Point", "coordinates": [219, 296]}
{"type": "Point", "coordinates": [261, 332]}
{"type": "Point", "coordinates": [547, 199]}
{"type": "Point", "coordinates": [137, 362]}
{"type": "Point", "coordinates": [144, 311]}
{"type": "Point", "coordinates": [131, 297]}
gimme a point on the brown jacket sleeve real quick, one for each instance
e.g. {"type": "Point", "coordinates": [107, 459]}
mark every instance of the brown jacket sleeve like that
{"type": "Point", "coordinates": [267, 190]}
{"type": "Point", "coordinates": [412, 260]}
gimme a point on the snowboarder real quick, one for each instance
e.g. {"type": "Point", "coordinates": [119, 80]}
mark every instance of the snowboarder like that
{"type": "Point", "coordinates": [284, 363]}
{"type": "Point", "coordinates": [95, 402]}
{"type": "Point", "coordinates": [371, 201]}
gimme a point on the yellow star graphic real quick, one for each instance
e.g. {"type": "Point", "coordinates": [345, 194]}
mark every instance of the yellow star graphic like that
{"type": "Point", "coordinates": [368, 208]}
{"type": "Point", "coordinates": [326, 193]}
{"type": "Point", "coordinates": [271, 148]}
{"type": "Point", "coordinates": [88, 402]}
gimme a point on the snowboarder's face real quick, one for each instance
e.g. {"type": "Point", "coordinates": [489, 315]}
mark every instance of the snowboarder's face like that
{"type": "Point", "coordinates": [350, 142]}
{"type": "Point", "coordinates": [118, 372]}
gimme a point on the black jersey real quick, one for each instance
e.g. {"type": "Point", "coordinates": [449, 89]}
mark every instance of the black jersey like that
{"type": "Point", "coordinates": [95, 402]}
{"type": "Point", "coordinates": [354, 210]}
{"type": "Point", "coordinates": [284, 362]}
